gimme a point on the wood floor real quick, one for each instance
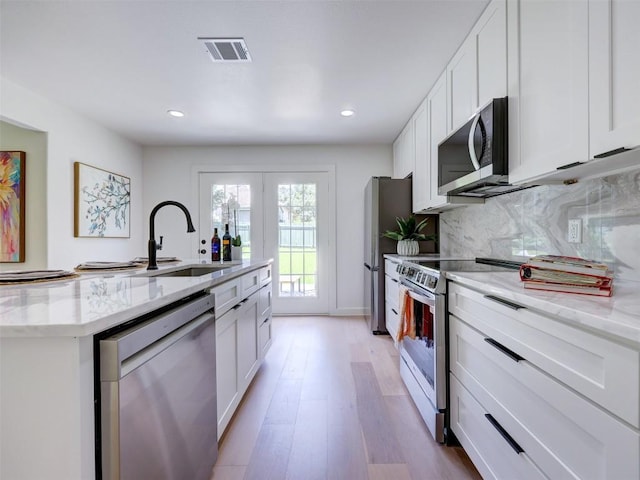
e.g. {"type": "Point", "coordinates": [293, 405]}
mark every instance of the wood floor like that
{"type": "Point", "coordinates": [329, 403]}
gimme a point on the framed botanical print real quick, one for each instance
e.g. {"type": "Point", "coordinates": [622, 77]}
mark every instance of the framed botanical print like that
{"type": "Point", "coordinates": [102, 203]}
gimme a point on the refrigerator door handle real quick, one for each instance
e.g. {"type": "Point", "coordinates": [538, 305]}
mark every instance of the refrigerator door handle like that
{"type": "Point", "coordinates": [369, 267]}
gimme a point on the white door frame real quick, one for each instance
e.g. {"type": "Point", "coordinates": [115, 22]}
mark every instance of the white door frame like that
{"type": "Point", "coordinates": [332, 265]}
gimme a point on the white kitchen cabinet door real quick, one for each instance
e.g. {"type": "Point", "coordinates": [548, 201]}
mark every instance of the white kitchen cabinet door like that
{"type": "Point", "coordinates": [421, 184]}
{"type": "Point", "coordinates": [614, 74]}
{"type": "Point", "coordinates": [228, 393]}
{"type": "Point", "coordinates": [462, 84]}
{"type": "Point", "coordinates": [403, 152]}
{"type": "Point", "coordinates": [490, 34]}
{"type": "Point", "coordinates": [437, 131]}
{"type": "Point", "coordinates": [487, 447]}
{"type": "Point", "coordinates": [548, 87]}
{"type": "Point", "coordinates": [248, 349]}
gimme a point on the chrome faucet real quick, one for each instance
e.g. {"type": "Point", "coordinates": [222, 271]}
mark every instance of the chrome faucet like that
{"type": "Point", "coordinates": [153, 264]}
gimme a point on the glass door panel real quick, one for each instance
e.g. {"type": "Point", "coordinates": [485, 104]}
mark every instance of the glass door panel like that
{"type": "Point", "coordinates": [295, 236]}
{"type": "Point", "coordinates": [230, 199]}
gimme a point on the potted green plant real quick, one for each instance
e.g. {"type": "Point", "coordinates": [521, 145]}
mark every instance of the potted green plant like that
{"type": "Point", "coordinates": [408, 234]}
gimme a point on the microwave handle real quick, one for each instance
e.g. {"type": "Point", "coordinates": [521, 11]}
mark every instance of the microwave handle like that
{"type": "Point", "coordinates": [472, 150]}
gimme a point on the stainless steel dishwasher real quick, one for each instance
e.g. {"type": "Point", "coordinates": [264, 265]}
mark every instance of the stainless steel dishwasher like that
{"type": "Point", "coordinates": [158, 396]}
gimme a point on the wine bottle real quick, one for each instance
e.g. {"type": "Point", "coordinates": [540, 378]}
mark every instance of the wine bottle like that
{"type": "Point", "coordinates": [226, 244]}
{"type": "Point", "coordinates": [215, 246]}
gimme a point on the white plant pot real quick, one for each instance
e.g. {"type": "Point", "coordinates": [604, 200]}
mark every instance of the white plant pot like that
{"type": "Point", "coordinates": [408, 247]}
{"type": "Point", "coordinates": [236, 253]}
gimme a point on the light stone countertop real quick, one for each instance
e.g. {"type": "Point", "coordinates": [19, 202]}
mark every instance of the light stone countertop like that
{"type": "Point", "coordinates": [616, 317]}
{"type": "Point", "coordinates": [97, 301]}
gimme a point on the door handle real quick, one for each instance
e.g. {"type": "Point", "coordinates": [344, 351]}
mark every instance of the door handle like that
{"type": "Point", "coordinates": [508, 438]}
{"type": "Point", "coordinates": [506, 303]}
{"type": "Point", "coordinates": [508, 352]}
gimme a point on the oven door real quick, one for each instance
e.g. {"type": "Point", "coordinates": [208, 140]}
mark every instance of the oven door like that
{"type": "Point", "coordinates": [427, 351]}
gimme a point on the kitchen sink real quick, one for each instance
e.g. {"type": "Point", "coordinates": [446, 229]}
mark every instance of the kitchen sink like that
{"type": "Point", "coordinates": [193, 271]}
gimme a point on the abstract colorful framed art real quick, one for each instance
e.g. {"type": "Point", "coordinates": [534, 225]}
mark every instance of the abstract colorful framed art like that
{"type": "Point", "coordinates": [12, 206]}
{"type": "Point", "coordinates": [101, 203]}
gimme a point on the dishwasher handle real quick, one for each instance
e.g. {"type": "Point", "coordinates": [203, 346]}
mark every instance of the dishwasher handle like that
{"type": "Point", "coordinates": [115, 350]}
{"type": "Point", "coordinates": [192, 328]}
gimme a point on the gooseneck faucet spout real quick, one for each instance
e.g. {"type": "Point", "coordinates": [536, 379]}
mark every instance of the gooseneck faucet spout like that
{"type": "Point", "coordinates": [153, 264]}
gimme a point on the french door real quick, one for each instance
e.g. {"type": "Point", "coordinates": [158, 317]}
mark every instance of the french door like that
{"type": "Point", "coordinates": [279, 215]}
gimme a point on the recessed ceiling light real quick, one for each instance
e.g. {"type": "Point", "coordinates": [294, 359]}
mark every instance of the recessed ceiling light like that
{"type": "Point", "coordinates": [347, 113]}
{"type": "Point", "coordinates": [175, 113]}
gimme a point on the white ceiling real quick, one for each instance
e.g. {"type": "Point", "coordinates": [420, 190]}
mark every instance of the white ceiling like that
{"type": "Point", "coordinates": [125, 63]}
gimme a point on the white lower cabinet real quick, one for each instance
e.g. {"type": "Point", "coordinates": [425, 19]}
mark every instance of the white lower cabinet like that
{"type": "Point", "coordinates": [514, 416]}
{"type": "Point", "coordinates": [264, 327]}
{"type": "Point", "coordinates": [243, 336]}
{"type": "Point", "coordinates": [391, 299]}
{"type": "Point", "coordinates": [228, 393]}
{"type": "Point", "coordinates": [490, 452]}
{"type": "Point", "coordinates": [248, 352]}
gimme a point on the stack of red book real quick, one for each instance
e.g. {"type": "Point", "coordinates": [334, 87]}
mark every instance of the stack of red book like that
{"type": "Point", "coordinates": [567, 274]}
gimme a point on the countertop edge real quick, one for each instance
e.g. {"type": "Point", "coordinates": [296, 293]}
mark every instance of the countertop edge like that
{"type": "Point", "coordinates": [578, 310]}
{"type": "Point", "coordinates": [180, 288]}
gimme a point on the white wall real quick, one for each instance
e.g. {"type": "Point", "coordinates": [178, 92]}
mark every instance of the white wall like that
{"type": "Point", "coordinates": [34, 144]}
{"type": "Point", "coordinates": [169, 175]}
{"type": "Point", "coordinates": [72, 137]}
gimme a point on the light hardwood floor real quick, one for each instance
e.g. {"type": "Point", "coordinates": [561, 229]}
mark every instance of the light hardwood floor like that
{"type": "Point", "coordinates": [329, 403]}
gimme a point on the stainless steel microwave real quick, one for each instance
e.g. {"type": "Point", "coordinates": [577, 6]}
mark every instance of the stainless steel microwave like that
{"type": "Point", "coordinates": [473, 161]}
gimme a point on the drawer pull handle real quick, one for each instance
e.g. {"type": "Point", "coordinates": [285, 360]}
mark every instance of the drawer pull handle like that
{"type": "Point", "coordinates": [508, 438]}
{"type": "Point", "coordinates": [506, 303]}
{"type": "Point", "coordinates": [394, 311]}
{"type": "Point", "coordinates": [615, 151]}
{"type": "Point", "coordinates": [509, 353]}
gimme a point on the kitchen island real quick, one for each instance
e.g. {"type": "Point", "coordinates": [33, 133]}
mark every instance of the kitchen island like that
{"type": "Point", "coordinates": [47, 413]}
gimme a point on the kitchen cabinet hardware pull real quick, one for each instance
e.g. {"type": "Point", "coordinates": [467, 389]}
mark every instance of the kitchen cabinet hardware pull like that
{"type": "Point", "coordinates": [508, 438]}
{"type": "Point", "coordinates": [508, 352]}
{"type": "Point", "coordinates": [394, 311]}
{"type": "Point", "coordinates": [265, 320]}
{"type": "Point", "coordinates": [615, 151]}
{"type": "Point", "coordinates": [506, 303]}
{"type": "Point", "coordinates": [569, 165]}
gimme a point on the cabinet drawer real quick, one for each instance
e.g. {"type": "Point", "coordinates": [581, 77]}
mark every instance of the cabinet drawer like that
{"type": "Point", "coordinates": [565, 435]}
{"type": "Point", "coordinates": [264, 335]}
{"type": "Point", "coordinates": [265, 275]}
{"type": "Point", "coordinates": [226, 296]}
{"type": "Point", "coordinates": [391, 291]}
{"type": "Point", "coordinates": [604, 371]}
{"type": "Point", "coordinates": [250, 283]}
{"type": "Point", "coordinates": [392, 320]}
{"type": "Point", "coordinates": [390, 269]}
{"type": "Point", "coordinates": [264, 301]}
{"type": "Point", "coordinates": [490, 452]}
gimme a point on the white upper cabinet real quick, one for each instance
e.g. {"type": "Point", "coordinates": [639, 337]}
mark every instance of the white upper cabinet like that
{"type": "Point", "coordinates": [614, 75]}
{"type": "Point", "coordinates": [403, 153]}
{"type": "Point", "coordinates": [437, 130]}
{"type": "Point", "coordinates": [463, 85]}
{"type": "Point", "coordinates": [548, 86]}
{"type": "Point", "coordinates": [490, 34]}
{"type": "Point", "coordinates": [477, 73]}
{"type": "Point", "coordinates": [421, 183]}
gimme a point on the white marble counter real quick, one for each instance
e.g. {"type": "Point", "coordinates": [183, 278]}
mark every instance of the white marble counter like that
{"type": "Point", "coordinates": [95, 302]}
{"type": "Point", "coordinates": [423, 257]}
{"type": "Point", "coordinates": [616, 317]}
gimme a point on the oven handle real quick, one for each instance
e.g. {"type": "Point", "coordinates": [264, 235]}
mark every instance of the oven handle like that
{"type": "Point", "coordinates": [431, 301]}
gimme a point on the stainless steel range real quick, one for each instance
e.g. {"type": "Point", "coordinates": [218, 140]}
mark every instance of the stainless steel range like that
{"type": "Point", "coordinates": [423, 350]}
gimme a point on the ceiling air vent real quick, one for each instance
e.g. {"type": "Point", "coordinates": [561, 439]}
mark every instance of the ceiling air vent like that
{"type": "Point", "coordinates": [227, 49]}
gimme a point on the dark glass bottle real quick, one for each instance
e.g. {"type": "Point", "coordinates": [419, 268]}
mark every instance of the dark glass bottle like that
{"type": "Point", "coordinates": [226, 244]}
{"type": "Point", "coordinates": [215, 246]}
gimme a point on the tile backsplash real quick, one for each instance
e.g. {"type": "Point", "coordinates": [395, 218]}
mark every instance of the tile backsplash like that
{"type": "Point", "coordinates": [535, 221]}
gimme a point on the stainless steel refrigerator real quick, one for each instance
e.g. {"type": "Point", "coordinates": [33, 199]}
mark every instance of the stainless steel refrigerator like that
{"type": "Point", "coordinates": [385, 199]}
